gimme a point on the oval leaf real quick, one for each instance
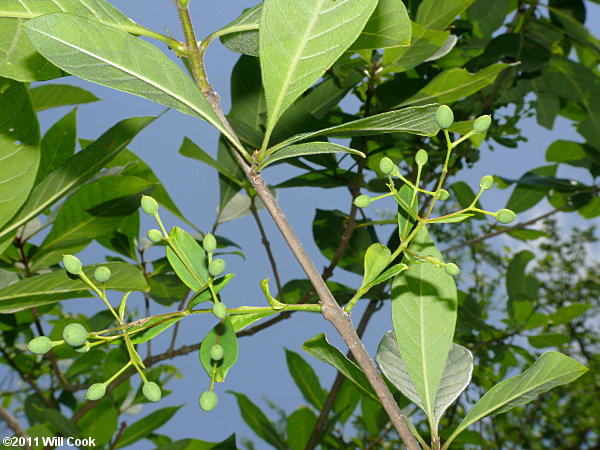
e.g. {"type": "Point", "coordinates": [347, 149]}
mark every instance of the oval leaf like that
{"type": "Point", "coordinates": [310, 148]}
{"type": "Point", "coordinates": [188, 259]}
{"type": "Point", "coordinates": [224, 335]}
{"type": "Point", "coordinates": [377, 259]}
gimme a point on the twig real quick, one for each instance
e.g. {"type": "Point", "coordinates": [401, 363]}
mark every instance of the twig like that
{"type": "Point", "coordinates": [28, 379]}
{"type": "Point", "coordinates": [14, 425]}
{"type": "Point", "coordinates": [122, 427]}
{"type": "Point", "coordinates": [176, 327]}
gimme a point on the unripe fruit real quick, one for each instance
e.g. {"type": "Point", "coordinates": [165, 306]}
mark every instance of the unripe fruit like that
{"type": "Point", "coordinates": [96, 391]}
{"type": "Point", "coordinates": [219, 310]}
{"type": "Point", "coordinates": [444, 117]}
{"type": "Point", "coordinates": [387, 166]}
{"type": "Point", "coordinates": [39, 345]}
{"type": "Point", "coordinates": [362, 201]}
{"type": "Point", "coordinates": [149, 205]}
{"type": "Point", "coordinates": [481, 124]}
{"type": "Point", "coordinates": [75, 335]}
{"type": "Point", "coordinates": [102, 274]}
{"type": "Point", "coordinates": [486, 182]}
{"type": "Point", "coordinates": [452, 269]}
{"type": "Point", "coordinates": [151, 391]}
{"type": "Point", "coordinates": [72, 264]}
{"type": "Point", "coordinates": [421, 157]}
{"type": "Point", "coordinates": [208, 400]}
{"type": "Point", "coordinates": [209, 243]}
{"type": "Point", "coordinates": [83, 348]}
{"type": "Point", "coordinates": [505, 216]}
{"type": "Point", "coordinates": [216, 267]}
{"type": "Point", "coordinates": [217, 352]}
{"type": "Point", "coordinates": [443, 195]}
{"type": "Point", "coordinates": [154, 235]}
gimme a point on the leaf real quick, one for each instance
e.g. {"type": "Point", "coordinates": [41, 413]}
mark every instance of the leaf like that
{"type": "Point", "coordinates": [456, 377]}
{"type": "Point", "coordinates": [424, 308]}
{"type": "Point", "coordinates": [390, 273]}
{"type": "Point", "coordinates": [146, 426]}
{"type": "Point", "coordinates": [188, 259]}
{"type": "Point", "coordinates": [158, 325]}
{"type": "Point", "coordinates": [321, 349]}
{"type": "Point", "coordinates": [205, 295]}
{"type": "Point", "coordinates": [526, 196]}
{"type": "Point", "coordinates": [300, 425]}
{"type": "Point", "coordinates": [388, 26]}
{"type": "Point", "coordinates": [307, 149]}
{"type": "Point", "coordinates": [550, 370]}
{"type": "Point", "coordinates": [78, 169]}
{"type": "Point", "coordinates": [191, 150]}
{"type": "Point", "coordinates": [197, 444]}
{"type": "Point", "coordinates": [568, 313]}
{"type": "Point", "coordinates": [300, 40]}
{"type": "Point", "coordinates": [55, 95]}
{"type": "Point", "coordinates": [432, 15]}
{"type": "Point", "coordinates": [453, 218]}
{"type": "Point", "coordinates": [545, 340]}
{"type": "Point", "coordinates": [561, 151]}
{"type": "Point", "coordinates": [224, 335]}
{"type": "Point", "coordinates": [58, 144]}
{"type": "Point", "coordinates": [55, 286]}
{"type": "Point", "coordinates": [241, 321]}
{"type": "Point", "coordinates": [258, 422]}
{"type": "Point", "coordinates": [60, 423]}
{"type": "Point", "coordinates": [408, 211]}
{"type": "Point", "coordinates": [424, 43]}
{"type": "Point", "coordinates": [111, 57]}
{"type": "Point", "coordinates": [377, 258]}
{"type": "Point", "coordinates": [515, 275]}
{"type": "Point", "coordinates": [241, 35]}
{"type": "Point", "coordinates": [19, 147]}
{"type": "Point", "coordinates": [100, 423]}
{"type": "Point", "coordinates": [305, 378]}
{"type": "Point", "coordinates": [454, 84]}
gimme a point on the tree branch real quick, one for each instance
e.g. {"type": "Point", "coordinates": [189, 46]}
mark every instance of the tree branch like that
{"type": "Point", "coordinates": [14, 425]}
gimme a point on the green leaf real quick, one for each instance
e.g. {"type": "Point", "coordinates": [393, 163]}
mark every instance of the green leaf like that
{"type": "Point", "coordinates": [454, 84]}
{"type": "Point", "coordinates": [188, 259]}
{"type": "Point", "coordinates": [568, 313]}
{"type": "Point", "coordinates": [58, 144]}
{"type": "Point", "coordinates": [526, 196]}
{"type": "Point", "coordinates": [390, 273]}
{"type": "Point", "coordinates": [545, 340]}
{"type": "Point", "coordinates": [377, 258]}
{"type": "Point", "coordinates": [464, 194]}
{"type": "Point", "coordinates": [424, 308]}
{"type": "Point", "coordinates": [19, 147]}
{"type": "Point", "coordinates": [453, 218]}
{"type": "Point", "coordinates": [307, 149]}
{"type": "Point", "coordinates": [321, 349]}
{"type": "Point", "coordinates": [408, 211]}
{"type": "Point", "coordinates": [388, 26]}
{"type": "Point", "coordinates": [515, 275]}
{"type": "Point", "coordinates": [550, 370]}
{"type": "Point", "coordinates": [191, 150]}
{"type": "Point", "coordinates": [111, 57]}
{"type": "Point", "coordinates": [346, 401]}
{"type": "Point", "coordinates": [300, 425]}
{"type": "Point", "coordinates": [60, 423]}
{"type": "Point", "coordinates": [241, 35]}
{"type": "Point", "coordinates": [259, 423]}
{"type": "Point", "coordinates": [456, 377]}
{"type": "Point", "coordinates": [300, 40]}
{"type": "Point", "coordinates": [100, 423]}
{"type": "Point", "coordinates": [197, 444]}
{"type": "Point", "coordinates": [55, 95]}
{"type": "Point", "coordinates": [433, 15]}
{"type": "Point", "coordinates": [306, 379]}
{"type": "Point", "coordinates": [561, 151]}
{"type": "Point", "coordinates": [241, 321]}
{"type": "Point", "coordinates": [78, 169]}
{"type": "Point", "coordinates": [205, 295]}
{"type": "Point", "coordinates": [223, 334]}
{"type": "Point", "coordinates": [158, 325]}
{"type": "Point", "coordinates": [55, 286]}
{"type": "Point", "coordinates": [487, 15]}
{"type": "Point", "coordinates": [146, 425]}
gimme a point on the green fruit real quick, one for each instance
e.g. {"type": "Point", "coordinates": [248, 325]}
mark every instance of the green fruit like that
{"type": "Point", "coordinates": [216, 267]}
{"type": "Point", "coordinates": [154, 235]}
{"type": "Point", "coordinates": [481, 124]}
{"type": "Point", "coordinates": [421, 157]}
{"type": "Point", "coordinates": [102, 274]}
{"type": "Point", "coordinates": [486, 182]}
{"type": "Point", "coordinates": [83, 348]}
{"type": "Point", "coordinates": [219, 310]}
{"type": "Point", "coordinates": [72, 264]}
{"type": "Point", "coordinates": [151, 391]}
{"type": "Point", "coordinates": [75, 335]}
{"type": "Point", "coordinates": [387, 166]}
{"type": "Point", "coordinates": [209, 243]}
{"type": "Point", "coordinates": [444, 117]}
{"type": "Point", "coordinates": [208, 400]}
{"type": "Point", "coordinates": [505, 216]}
{"type": "Point", "coordinates": [443, 195]}
{"type": "Point", "coordinates": [452, 269]}
{"type": "Point", "coordinates": [362, 201]}
{"type": "Point", "coordinates": [149, 205]}
{"type": "Point", "coordinates": [96, 391]}
{"type": "Point", "coordinates": [39, 345]}
{"type": "Point", "coordinates": [217, 352]}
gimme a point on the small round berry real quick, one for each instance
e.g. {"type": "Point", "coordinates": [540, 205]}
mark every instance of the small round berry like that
{"type": "Point", "coordinates": [217, 352]}
{"type": "Point", "coordinates": [96, 391]}
{"type": "Point", "coordinates": [421, 157]}
{"type": "Point", "coordinates": [443, 195]}
{"type": "Point", "coordinates": [444, 117]}
{"type": "Point", "coordinates": [209, 243]}
{"type": "Point", "coordinates": [452, 269]}
{"type": "Point", "coordinates": [486, 182]}
{"type": "Point", "coordinates": [362, 201]}
{"type": "Point", "coordinates": [149, 205]}
{"type": "Point", "coordinates": [151, 391]}
{"type": "Point", "coordinates": [72, 264]}
{"type": "Point", "coordinates": [481, 124]}
{"type": "Point", "coordinates": [83, 348]}
{"type": "Point", "coordinates": [387, 166]}
{"type": "Point", "coordinates": [208, 400]}
{"type": "Point", "coordinates": [505, 216]}
{"type": "Point", "coordinates": [102, 274]}
{"type": "Point", "coordinates": [75, 335]}
{"type": "Point", "coordinates": [216, 267]}
{"type": "Point", "coordinates": [154, 235]}
{"type": "Point", "coordinates": [39, 345]}
{"type": "Point", "coordinates": [219, 310]}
